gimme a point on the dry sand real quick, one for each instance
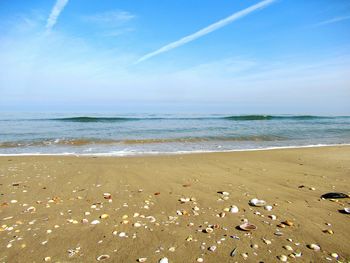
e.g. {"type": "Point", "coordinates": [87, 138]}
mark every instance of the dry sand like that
{"type": "Point", "coordinates": [44, 200]}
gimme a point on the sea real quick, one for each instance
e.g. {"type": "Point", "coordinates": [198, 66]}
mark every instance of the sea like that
{"type": "Point", "coordinates": [97, 134]}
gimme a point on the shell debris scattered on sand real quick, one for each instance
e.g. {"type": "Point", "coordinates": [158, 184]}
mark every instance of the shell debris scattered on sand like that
{"type": "Point", "coordinates": [257, 202]}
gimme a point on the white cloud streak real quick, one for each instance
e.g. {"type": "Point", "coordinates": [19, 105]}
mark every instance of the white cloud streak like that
{"type": "Point", "coordinates": [207, 30]}
{"type": "Point", "coordinates": [55, 13]}
{"type": "Point", "coordinates": [333, 20]}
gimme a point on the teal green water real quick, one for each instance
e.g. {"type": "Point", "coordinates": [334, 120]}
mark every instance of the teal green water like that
{"type": "Point", "coordinates": [133, 134]}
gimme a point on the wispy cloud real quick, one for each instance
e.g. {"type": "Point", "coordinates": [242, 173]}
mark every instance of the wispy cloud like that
{"type": "Point", "coordinates": [55, 13]}
{"type": "Point", "coordinates": [111, 18]}
{"type": "Point", "coordinates": [208, 29]}
{"type": "Point", "coordinates": [333, 20]}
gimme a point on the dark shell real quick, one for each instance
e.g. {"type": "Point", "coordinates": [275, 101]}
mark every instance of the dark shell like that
{"type": "Point", "coordinates": [334, 196]}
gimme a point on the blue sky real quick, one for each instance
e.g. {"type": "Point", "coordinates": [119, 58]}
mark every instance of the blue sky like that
{"type": "Point", "coordinates": [288, 56]}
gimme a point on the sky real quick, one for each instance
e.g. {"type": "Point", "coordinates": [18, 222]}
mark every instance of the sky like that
{"type": "Point", "coordinates": [208, 56]}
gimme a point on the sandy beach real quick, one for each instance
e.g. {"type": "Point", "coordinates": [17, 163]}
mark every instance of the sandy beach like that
{"type": "Point", "coordinates": [179, 207]}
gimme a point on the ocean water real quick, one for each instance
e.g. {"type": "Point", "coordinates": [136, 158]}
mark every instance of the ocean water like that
{"type": "Point", "coordinates": [140, 134]}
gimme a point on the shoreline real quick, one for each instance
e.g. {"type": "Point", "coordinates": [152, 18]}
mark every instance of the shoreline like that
{"type": "Point", "coordinates": [56, 207]}
{"type": "Point", "coordinates": [145, 154]}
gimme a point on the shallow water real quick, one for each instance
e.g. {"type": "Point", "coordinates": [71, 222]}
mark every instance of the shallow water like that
{"type": "Point", "coordinates": [131, 134]}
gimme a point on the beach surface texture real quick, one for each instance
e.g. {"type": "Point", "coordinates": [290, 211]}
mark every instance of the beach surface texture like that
{"type": "Point", "coordinates": [178, 208]}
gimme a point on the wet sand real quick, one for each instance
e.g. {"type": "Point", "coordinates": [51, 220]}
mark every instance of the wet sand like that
{"type": "Point", "coordinates": [47, 205]}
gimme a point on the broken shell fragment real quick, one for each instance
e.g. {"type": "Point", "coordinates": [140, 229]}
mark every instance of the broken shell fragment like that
{"type": "Point", "coordinates": [107, 196]}
{"type": "Point", "coordinates": [268, 207]}
{"type": "Point", "coordinates": [95, 222]}
{"type": "Point", "coordinates": [288, 223]}
{"type": "Point", "coordinates": [209, 230]}
{"type": "Point", "coordinates": [212, 248]}
{"type": "Point", "coordinates": [257, 202]}
{"type": "Point", "coordinates": [102, 257]}
{"type": "Point", "coordinates": [142, 260]}
{"type": "Point", "coordinates": [200, 260]}
{"type": "Point", "coordinates": [247, 227]}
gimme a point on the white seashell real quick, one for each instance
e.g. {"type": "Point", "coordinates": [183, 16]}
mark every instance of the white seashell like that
{"type": "Point", "coordinates": [31, 209]}
{"type": "Point", "coordinates": [225, 193]}
{"type": "Point", "coordinates": [287, 247]}
{"type": "Point", "coordinates": [172, 249]}
{"type": "Point", "coordinates": [184, 200]}
{"type": "Point", "coordinates": [200, 260]}
{"type": "Point", "coordinates": [102, 257]}
{"type": "Point", "coordinates": [257, 202]}
{"type": "Point", "coordinates": [137, 224]}
{"type": "Point", "coordinates": [273, 217]}
{"type": "Point", "coordinates": [234, 209]}
{"type": "Point", "coordinates": [314, 247]}
{"type": "Point", "coordinates": [122, 234]}
{"type": "Point", "coordinates": [347, 210]}
{"type": "Point", "coordinates": [209, 230]}
{"type": "Point", "coordinates": [212, 248]}
{"type": "Point", "coordinates": [47, 259]}
{"type": "Point", "coordinates": [268, 207]}
{"type": "Point", "coordinates": [95, 222]}
{"type": "Point", "coordinates": [164, 260]}
{"type": "Point", "coordinates": [142, 260]}
{"type": "Point", "coordinates": [334, 255]}
{"type": "Point", "coordinates": [104, 216]}
{"type": "Point", "coordinates": [283, 258]}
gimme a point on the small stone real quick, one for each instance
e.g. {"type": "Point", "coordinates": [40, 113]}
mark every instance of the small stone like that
{"type": "Point", "coordinates": [288, 223]}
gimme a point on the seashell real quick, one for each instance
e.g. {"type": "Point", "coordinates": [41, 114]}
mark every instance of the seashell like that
{"type": "Point", "coordinates": [347, 210]}
{"type": "Point", "coordinates": [255, 246]}
{"type": "Point", "coordinates": [189, 238]}
{"type": "Point", "coordinates": [172, 249]}
{"type": "Point", "coordinates": [288, 223]}
{"type": "Point", "coordinates": [184, 200]}
{"type": "Point", "coordinates": [104, 216]}
{"type": "Point", "coordinates": [273, 217]}
{"type": "Point", "coordinates": [142, 260]}
{"type": "Point", "coordinates": [334, 255]}
{"type": "Point", "coordinates": [31, 209]}
{"type": "Point", "coordinates": [164, 260]}
{"type": "Point", "coordinates": [13, 201]}
{"type": "Point", "coordinates": [196, 208]}
{"type": "Point", "coordinates": [268, 207]}
{"type": "Point", "coordinates": [47, 259]}
{"type": "Point", "coordinates": [222, 214]}
{"type": "Point", "coordinates": [297, 254]}
{"type": "Point", "coordinates": [283, 258]}
{"type": "Point", "coordinates": [266, 241]}
{"type": "Point", "coordinates": [257, 202]}
{"type": "Point", "coordinates": [136, 214]}
{"type": "Point", "coordinates": [102, 257]}
{"type": "Point", "coordinates": [212, 248]}
{"type": "Point", "coordinates": [314, 247]}
{"type": "Point", "coordinates": [287, 247]}
{"type": "Point", "coordinates": [233, 252]}
{"type": "Point", "coordinates": [122, 234]}
{"type": "Point", "coordinates": [334, 196]}
{"type": "Point", "coordinates": [328, 231]}
{"type": "Point", "coordinates": [84, 221]}
{"type": "Point", "coordinates": [209, 230]}
{"type": "Point", "coordinates": [107, 196]}
{"type": "Point", "coordinates": [234, 209]}
{"type": "Point", "coordinates": [95, 222]}
{"type": "Point", "coordinates": [137, 224]}
{"type": "Point", "coordinates": [247, 227]}
{"type": "Point", "coordinates": [200, 260]}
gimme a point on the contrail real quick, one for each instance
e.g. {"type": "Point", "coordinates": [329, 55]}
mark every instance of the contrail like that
{"type": "Point", "coordinates": [208, 29]}
{"type": "Point", "coordinates": [334, 20]}
{"type": "Point", "coordinates": [55, 13]}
